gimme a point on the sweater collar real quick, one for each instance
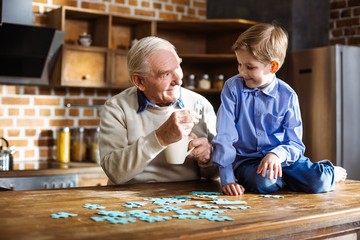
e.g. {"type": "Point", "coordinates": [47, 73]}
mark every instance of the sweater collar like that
{"type": "Point", "coordinates": [144, 102]}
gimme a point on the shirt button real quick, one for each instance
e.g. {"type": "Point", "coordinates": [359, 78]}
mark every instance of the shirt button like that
{"type": "Point", "coordinates": [259, 134]}
{"type": "Point", "coordinates": [257, 115]}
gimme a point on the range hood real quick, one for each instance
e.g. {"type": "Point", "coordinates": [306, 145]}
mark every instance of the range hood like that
{"type": "Point", "coordinates": [27, 53]}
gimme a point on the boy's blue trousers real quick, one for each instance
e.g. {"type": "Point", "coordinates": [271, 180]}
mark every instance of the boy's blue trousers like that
{"type": "Point", "coordinates": [302, 176]}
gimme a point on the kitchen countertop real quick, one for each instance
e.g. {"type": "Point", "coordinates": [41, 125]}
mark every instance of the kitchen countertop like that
{"type": "Point", "coordinates": [27, 214]}
{"type": "Point", "coordinates": [51, 168]}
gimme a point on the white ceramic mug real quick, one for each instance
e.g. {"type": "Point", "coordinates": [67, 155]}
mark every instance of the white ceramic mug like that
{"type": "Point", "coordinates": [175, 153]}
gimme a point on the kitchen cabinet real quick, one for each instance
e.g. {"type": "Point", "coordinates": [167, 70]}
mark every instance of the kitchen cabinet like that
{"type": "Point", "coordinates": [204, 45]}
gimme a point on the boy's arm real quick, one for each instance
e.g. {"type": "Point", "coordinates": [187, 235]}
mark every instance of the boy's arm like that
{"type": "Point", "coordinates": [224, 152]}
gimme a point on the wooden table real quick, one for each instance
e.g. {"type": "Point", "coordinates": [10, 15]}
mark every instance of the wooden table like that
{"type": "Point", "coordinates": [27, 214]}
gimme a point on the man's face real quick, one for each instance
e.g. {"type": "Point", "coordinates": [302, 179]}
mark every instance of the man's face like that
{"type": "Point", "coordinates": [162, 86]}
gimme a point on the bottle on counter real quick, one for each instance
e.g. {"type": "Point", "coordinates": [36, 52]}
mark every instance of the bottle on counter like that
{"type": "Point", "coordinates": [218, 81]}
{"type": "Point", "coordinates": [204, 82]}
{"type": "Point", "coordinates": [63, 145]}
{"type": "Point", "coordinates": [78, 145]}
{"type": "Point", "coordinates": [93, 145]}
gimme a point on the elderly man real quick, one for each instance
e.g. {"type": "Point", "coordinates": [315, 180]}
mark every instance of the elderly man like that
{"type": "Point", "coordinates": [137, 124]}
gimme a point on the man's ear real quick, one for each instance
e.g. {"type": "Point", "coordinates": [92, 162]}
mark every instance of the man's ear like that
{"type": "Point", "coordinates": [138, 81]}
{"type": "Point", "coordinates": [275, 65]}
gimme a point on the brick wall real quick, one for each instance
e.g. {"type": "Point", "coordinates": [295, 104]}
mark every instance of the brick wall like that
{"type": "Point", "coordinates": [344, 22]}
{"type": "Point", "coordinates": [30, 116]}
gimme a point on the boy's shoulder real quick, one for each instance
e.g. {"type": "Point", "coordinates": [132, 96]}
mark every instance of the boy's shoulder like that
{"type": "Point", "coordinates": [283, 86]}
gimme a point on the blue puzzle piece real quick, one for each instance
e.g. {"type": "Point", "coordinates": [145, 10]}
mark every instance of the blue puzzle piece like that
{"type": "Point", "coordinates": [167, 201]}
{"type": "Point", "coordinates": [122, 220]}
{"type": "Point", "coordinates": [222, 218]}
{"type": "Point", "coordinates": [208, 213]}
{"type": "Point", "coordinates": [208, 206]}
{"type": "Point", "coordinates": [112, 213]}
{"type": "Point", "coordinates": [193, 217]}
{"type": "Point", "coordinates": [186, 211]}
{"type": "Point", "coordinates": [62, 215]}
{"type": "Point", "coordinates": [114, 219]}
{"type": "Point", "coordinates": [225, 201]}
{"type": "Point", "coordinates": [93, 206]}
{"type": "Point", "coordinates": [237, 207]}
{"type": "Point", "coordinates": [166, 209]}
{"type": "Point", "coordinates": [138, 213]}
{"type": "Point", "coordinates": [134, 204]}
{"type": "Point", "coordinates": [271, 196]}
{"type": "Point", "coordinates": [155, 218]}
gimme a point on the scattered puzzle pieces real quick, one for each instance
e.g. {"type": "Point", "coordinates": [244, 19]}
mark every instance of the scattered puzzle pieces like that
{"type": "Point", "coordinates": [93, 206]}
{"type": "Point", "coordinates": [124, 217]}
{"type": "Point", "coordinates": [208, 206]}
{"type": "Point", "coordinates": [271, 196]}
{"type": "Point", "coordinates": [63, 215]}
{"type": "Point", "coordinates": [225, 201]}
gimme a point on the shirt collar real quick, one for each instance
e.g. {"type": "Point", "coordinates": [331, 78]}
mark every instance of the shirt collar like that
{"type": "Point", "coordinates": [269, 90]}
{"type": "Point", "coordinates": [144, 102]}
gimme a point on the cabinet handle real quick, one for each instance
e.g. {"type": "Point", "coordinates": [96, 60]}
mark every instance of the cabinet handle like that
{"type": "Point", "coordinates": [85, 77]}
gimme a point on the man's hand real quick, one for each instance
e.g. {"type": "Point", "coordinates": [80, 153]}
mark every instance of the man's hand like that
{"type": "Point", "coordinates": [272, 163]}
{"type": "Point", "coordinates": [233, 189]}
{"type": "Point", "coordinates": [202, 151]}
{"type": "Point", "coordinates": [179, 124]}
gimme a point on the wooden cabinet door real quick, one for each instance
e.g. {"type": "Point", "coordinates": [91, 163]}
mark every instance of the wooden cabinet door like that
{"type": "Point", "coordinates": [83, 66]}
{"type": "Point", "coordinates": [119, 71]}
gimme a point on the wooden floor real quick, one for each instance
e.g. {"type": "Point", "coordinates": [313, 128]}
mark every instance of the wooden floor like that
{"type": "Point", "coordinates": [26, 214]}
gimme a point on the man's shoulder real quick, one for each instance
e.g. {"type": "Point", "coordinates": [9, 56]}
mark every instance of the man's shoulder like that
{"type": "Point", "coordinates": [126, 96]}
{"type": "Point", "coordinates": [190, 97]}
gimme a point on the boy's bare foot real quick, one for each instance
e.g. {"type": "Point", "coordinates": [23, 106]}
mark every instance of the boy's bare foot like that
{"type": "Point", "coordinates": [340, 174]}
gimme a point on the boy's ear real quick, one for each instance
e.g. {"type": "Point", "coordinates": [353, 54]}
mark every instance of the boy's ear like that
{"type": "Point", "coordinates": [138, 81]}
{"type": "Point", "coordinates": [275, 65]}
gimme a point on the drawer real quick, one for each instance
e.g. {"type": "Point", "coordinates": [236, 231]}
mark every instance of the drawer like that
{"type": "Point", "coordinates": [84, 66]}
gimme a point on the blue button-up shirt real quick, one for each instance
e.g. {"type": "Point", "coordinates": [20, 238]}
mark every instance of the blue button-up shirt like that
{"type": "Point", "coordinates": [144, 102]}
{"type": "Point", "coordinates": [254, 122]}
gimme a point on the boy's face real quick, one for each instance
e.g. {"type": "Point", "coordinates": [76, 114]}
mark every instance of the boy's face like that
{"type": "Point", "coordinates": [256, 74]}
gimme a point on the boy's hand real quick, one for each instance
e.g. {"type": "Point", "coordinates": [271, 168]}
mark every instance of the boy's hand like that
{"type": "Point", "coordinates": [233, 189]}
{"type": "Point", "coordinates": [272, 163]}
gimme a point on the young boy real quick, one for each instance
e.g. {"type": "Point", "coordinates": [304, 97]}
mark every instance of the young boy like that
{"type": "Point", "coordinates": [259, 126]}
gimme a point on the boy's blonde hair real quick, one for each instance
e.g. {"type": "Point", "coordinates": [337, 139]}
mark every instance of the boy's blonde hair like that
{"type": "Point", "coordinates": [266, 42]}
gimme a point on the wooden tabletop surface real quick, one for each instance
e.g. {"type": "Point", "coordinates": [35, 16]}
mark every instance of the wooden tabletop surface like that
{"type": "Point", "coordinates": [27, 214]}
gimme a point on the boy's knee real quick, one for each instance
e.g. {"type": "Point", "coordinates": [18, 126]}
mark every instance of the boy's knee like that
{"type": "Point", "coordinates": [321, 185]}
{"type": "Point", "coordinates": [261, 184]}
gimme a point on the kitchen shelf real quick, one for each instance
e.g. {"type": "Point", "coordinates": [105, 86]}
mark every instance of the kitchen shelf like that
{"type": "Point", "coordinates": [204, 45]}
